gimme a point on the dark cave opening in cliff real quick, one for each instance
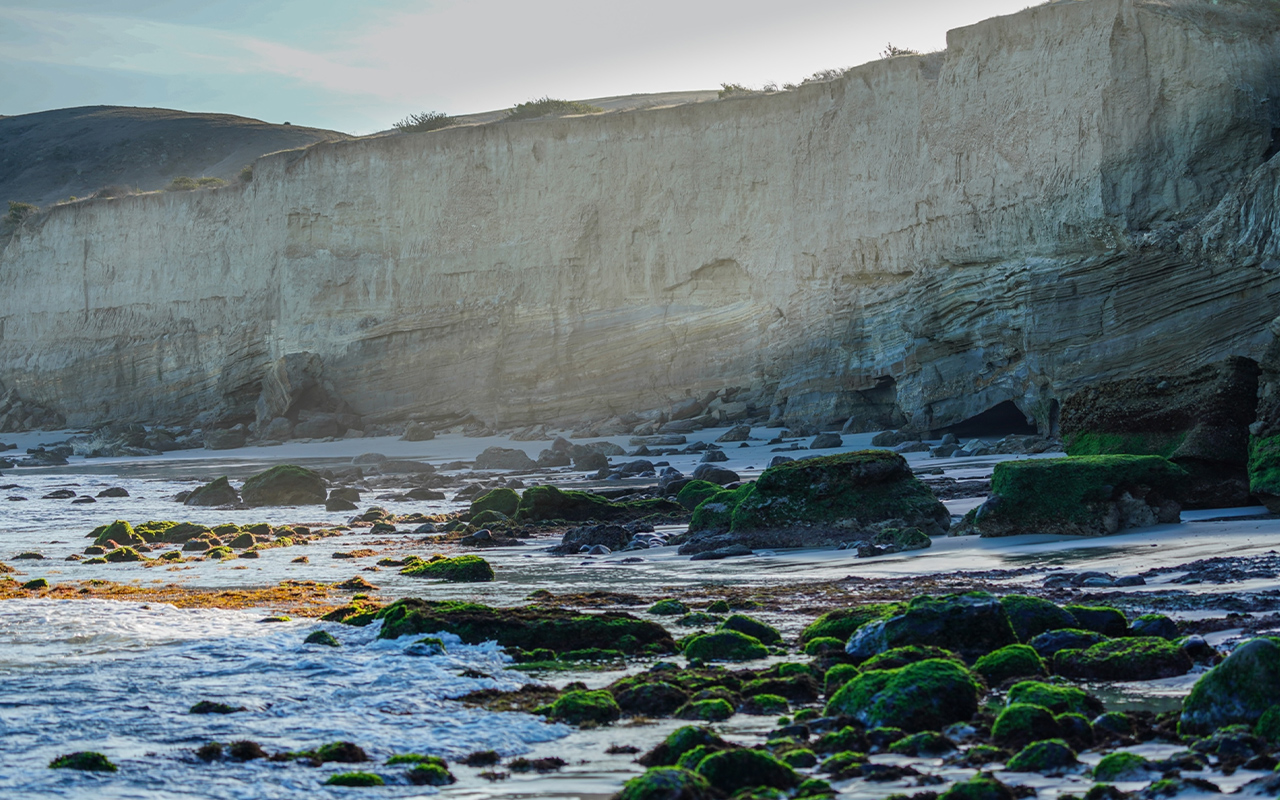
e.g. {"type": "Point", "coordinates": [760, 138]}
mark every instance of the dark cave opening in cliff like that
{"type": "Point", "coordinates": [999, 420]}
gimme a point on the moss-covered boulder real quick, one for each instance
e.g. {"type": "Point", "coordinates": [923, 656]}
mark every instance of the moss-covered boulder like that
{"type": "Point", "coordinates": [1032, 616]}
{"type": "Point", "coordinates": [1122, 766]}
{"type": "Point", "coordinates": [1014, 661]}
{"type": "Point", "coordinates": [549, 503]}
{"type": "Point", "coordinates": [927, 695]}
{"type": "Point", "coordinates": [715, 512]}
{"type": "Point", "coordinates": [1058, 699]}
{"type": "Point", "coordinates": [838, 676]}
{"type": "Point", "coordinates": [503, 500]}
{"type": "Point", "coordinates": [1020, 724]}
{"type": "Point", "coordinates": [356, 779]}
{"type": "Point", "coordinates": [1155, 625]}
{"type": "Point", "coordinates": [928, 744]}
{"type": "Point", "coordinates": [766, 634]}
{"type": "Point", "coordinates": [725, 646]}
{"type": "Point", "coordinates": [650, 699]}
{"type": "Point", "coordinates": [694, 492]}
{"type": "Point", "coordinates": [902, 656]}
{"type": "Point", "coordinates": [284, 485]}
{"type": "Point", "coordinates": [731, 770]}
{"type": "Point", "coordinates": [1143, 658]}
{"type": "Point", "coordinates": [1236, 692]}
{"type": "Point", "coordinates": [321, 638]}
{"type": "Point", "coordinates": [1198, 420]}
{"type": "Point", "coordinates": [85, 761]}
{"type": "Point", "coordinates": [668, 608]}
{"type": "Point", "coordinates": [218, 492]}
{"type": "Point", "coordinates": [120, 532]}
{"type": "Point", "coordinates": [712, 709]}
{"type": "Point", "coordinates": [1050, 643]}
{"type": "Point", "coordinates": [577, 707]}
{"type": "Point", "coordinates": [1100, 619]}
{"type": "Point", "coordinates": [430, 773]}
{"type": "Point", "coordinates": [460, 569]}
{"type": "Point", "coordinates": [842, 622]}
{"type": "Point", "coordinates": [1052, 755]}
{"type": "Point", "coordinates": [666, 783]}
{"type": "Point", "coordinates": [122, 555]}
{"type": "Point", "coordinates": [814, 500]}
{"type": "Point", "coordinates": [679, 742]}
{"type": "Point", "coordinates": [971, 625]}
{"type": "Point", "coordinates": [768, 705]}
{"type": "Point", "coordinates": [528, 627]}
{"type": "Point", "coordinates": [1082, 496]}
{"type": "Point", "coordinates": [980, 787]}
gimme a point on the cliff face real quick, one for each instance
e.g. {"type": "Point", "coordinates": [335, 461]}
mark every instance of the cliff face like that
{"type": "Point", "coordinates": [1076, 192]}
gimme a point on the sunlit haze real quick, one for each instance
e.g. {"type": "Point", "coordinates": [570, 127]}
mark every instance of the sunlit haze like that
{"type": "Point", "coordinates": [358, 67]}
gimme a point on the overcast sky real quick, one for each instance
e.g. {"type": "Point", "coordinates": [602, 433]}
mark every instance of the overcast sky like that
{"type": "Point", "coordinates": [359, 65]}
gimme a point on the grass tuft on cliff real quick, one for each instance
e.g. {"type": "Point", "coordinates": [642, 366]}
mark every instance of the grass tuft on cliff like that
{"type": "Point", "coordinates": [426, 121]}
{"type": "Point", "coordinates": [550, 107]}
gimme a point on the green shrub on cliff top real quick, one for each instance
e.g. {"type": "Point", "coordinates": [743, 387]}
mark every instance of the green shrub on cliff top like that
{"type": "Point", "coordinates": [185, 184]}
{"type": "Point", "coordinates": [550, 107]}
{"type": "Point", "coordinates": [421, 123]}
{"type": "Point", "coordinates": [18, 212]}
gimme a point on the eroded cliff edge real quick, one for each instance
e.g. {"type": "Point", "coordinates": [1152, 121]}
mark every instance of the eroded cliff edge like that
{"type": "Point", "coordinates": [1077, 192]}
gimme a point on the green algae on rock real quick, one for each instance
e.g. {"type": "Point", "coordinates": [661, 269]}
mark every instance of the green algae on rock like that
{"type": "Point", "coordinates": [1044, 756]}
{"type": "Point", "coordinates": [1100, 619]}
{"type": "Point", "coordinates": [321, 637]}
{"type": "Point", "coordinates": [85, 761]}
{"type": "Point", "coordinates": [927, 695]}
{"type": "Point", "coordinates": [578, 707]}
{"type": "Point", "coordinates": [528, 627]}
{"type": "Point", "coordinates": [715, 709]}
{"type": "Point", "coordinates": [842, 622]}
{"type": "Point", "coordinates": [666, 783]}
{"type": "Point", "coordinates": [731, 770]}
{"type": "Point", "coordinates": [1032, 616]}
{"type": "Point", "coordinates": [725, 645]}
{"type": "Point", "coordinates": [1130, 659]}
{"type": "Point", "coordinates": [980, 787]}
{"type": "Point", "coordinates": [1020, 724]}
{"type": "Point", "coordinates": [502, 500]}
{"type": "Point", "coordinates": [694, 492]}
{"type": "Point", "coordinates": [430, 773]}
{"type": "Point", "coordinates": [1079, 495]}
{"type": "Point", "coordinates": [460, 569]}
{"type": "Point", "coordinates": [354, 779]}
{"type": "Point", "coordinates": [766, 634]}
{"type": "Point", "coordinates": [284, 485]}
{"type": "Point", "coordinates": [668, 607]}
{"type": "Point", "coordinates": [540, 503]}
{"type": "Point", "coordinates": [211, 707]}
{"type": "Point", "coordinates": [1012, 661]}
{"type": "Point", "coordinates": [1238, 691]}
{"type": "Point", "coordinates": [1122, 766]}
{"type": "Point", "coordinates": [909, 654]}
{"type": "Point", "coordinates": [834, 496]}
{"type": "Point", "coordinates": [1058, 699]}
{"type": "Point", "coordinates": [682, 740]}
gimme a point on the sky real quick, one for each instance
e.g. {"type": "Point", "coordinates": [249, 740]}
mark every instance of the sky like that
{"type": "Point", "coordinates": [359, 66]}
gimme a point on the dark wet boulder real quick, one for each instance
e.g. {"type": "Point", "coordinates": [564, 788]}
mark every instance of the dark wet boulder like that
{"type": "Point", "coordinates": [503, 500]}
{"type": "Point", "coordinates": [1057, 698]}
{"type": "Point", "coordinates": [731, 770]}
{"type": "Point", "coordinates": [1032, 616]}
{"type": "Point", "coordinates": [655, 699]}
{"type": "Point", "coordinates": [927, 695]}
{"type": "Point", "coordinates": [1198, 420]}
{"type": "Point", "coordinates": [459, 569]}
{"type": "Point", "coordinates": [528, 627]}
{"type": "Point", "coordinates": [971, 625]}
{"type": "Point", "coordinates": [1238, 691]}
{"type": "Point", "coordinates": [1081, 496]}
{"type": "Point", "coordinates": [1101, 619]}
{"type": "Point", "coordinates": [212, 707]}
{"type": "Point", "coordinates": [284, 485]}
{"type": "Point", "coordinates": [1123, 766]}
{"type": "Point", "coordinates": [226, 439]}
{"type": "Point", "coordinates": [667, 783]}
{"type": "Point", "coordinates": [1049, 643]}
{"type": "Point", "coordinates": [1155, 625]}
{"type": "Point", "coordinates": [614, 537]}
{"type": "Point", "coordinates": [550, 503]}
{"type": "Point", "coordinates": [842, 622]}
{"type": "Point", "coordinates": [322, 638]}
{"type": "Point", "coordinates": [908, 654]}
{"type": "Point", "coordinates": [680, 742]}
{"type": "Point", "coordinates": [828, 500]}
{"type": "Point", "coordinates": [713, 474]}
{"type": "Point", "coordinates": [505, 458]}
{"type": "Point", "coordinates": [215, 493]}
{"type": "Point", "coordinates": [980, 787]}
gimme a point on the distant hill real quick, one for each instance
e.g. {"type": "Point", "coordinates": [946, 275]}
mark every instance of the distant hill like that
{"type": "Point", "coordinates": [52, 155]}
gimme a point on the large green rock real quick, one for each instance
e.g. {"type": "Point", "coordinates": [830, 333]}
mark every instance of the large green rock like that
{"type": "Point", "coordinates": [460, 569]}
{"type": "Point", "coordinates": [284, 485]}
{"type": "Point", "coordinates": [1032, 616]}
{"type": "Point", "coordinates": [971, 624]}
{"type": "Point", "coordinates": [1237, 691]}
{"type": "Point", "coordinates": [927, 695]}
{"type": "Point", "coordinates": [1198, 420]}
{"type": "Point", "coordinates": [839, 495]}
{"type": "Point", "coordinates": [1138, 658]}
{"type": "Point", "coordinates": [731, 770]}
{"type": "Point", "coordinates": [725, 646]}
{"type": "Point", "coordinates": [504, 501]}
{"type": "Point", "coordinates": [549, 503]}
{"type": "Point", "coordinates": [527, 627]}
{"type": "Point", "coordinates": [842, 622]}
{"type": "Point", "coordinates": [666, 783]}
{"type": "Point", "coordinates": [1082, 496]}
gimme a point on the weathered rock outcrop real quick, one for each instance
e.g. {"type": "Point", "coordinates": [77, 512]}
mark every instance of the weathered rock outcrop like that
{"type": "Point", "coordinates": [1078, 192]}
